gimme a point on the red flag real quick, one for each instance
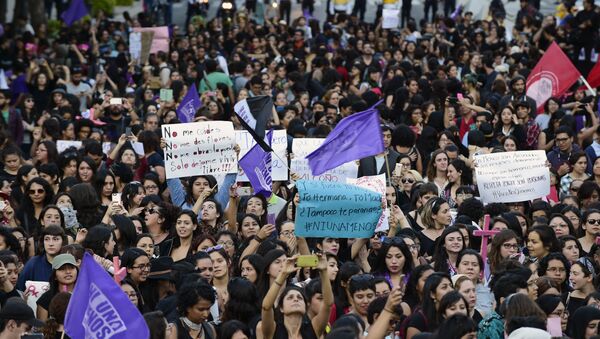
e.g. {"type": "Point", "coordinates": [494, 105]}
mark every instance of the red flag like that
{"type": "Point", "coordinates": [552, 76]}
{"type": "Point", "coordinates": [594, 77]}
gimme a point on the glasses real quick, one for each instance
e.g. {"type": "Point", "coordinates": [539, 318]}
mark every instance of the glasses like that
{"type": "Point", "coordinates": [560, 314]}
{"type": "Point", "coordinates": [38, 191]}
{"type": "Point", "coordinates": [287, 233]}
{"type": "Point", "coordinates": [561, 139]}
{"type": "Point", "coordinates": [408, 181]}
{"type": "Point", "coordinates": [379, 234]}
{"type": "Point", "coordinates": [150, 187]}
{"type": "Point", "coordinates": [214, 248]}
{"type": "Point", "coordinates": [574, 189]}
{"type": "Point", "coordinates": [151, 210]}
{"type": "Point", "coordinates": [556, 269]}
{"type": "Point", "coordinates": [510, 246]}
{"type": "Point", "coordinates": [142, 267]}
{"type": "Point", "coordinates": [593, 221]}
{"type": "Point", "coordinates": [415, 247]}
{"type": "Point", "coordinates": [226, 243]}
{"type": "Point", "coordinates": [361, 278]}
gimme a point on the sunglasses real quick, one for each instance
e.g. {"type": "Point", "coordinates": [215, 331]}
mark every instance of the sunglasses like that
{"type": "Point", "coordinates": [38, 191]}
{"type": "Point", "coordinates": [408, 181]}
{"type": "Point", "coordinates": [361, 278]}
{"type": "Point", "coordinates": [593, 221]}
{"type": "Point", "coordinates": [214, 248]}
{"type": "Point", "coordinates": [151, 210]}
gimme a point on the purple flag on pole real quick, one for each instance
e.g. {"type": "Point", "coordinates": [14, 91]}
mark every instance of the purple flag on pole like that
{"type": "Point", "coordinates": [257, 167]}
{"type": "Point", "coordinates": [76, 11]}
{"type": "Point", "coordinates": [355, 137]}
{"type": "Point", "coordinates": [100, 309]}
{"type": "Point", "coordinates": [189, 105]}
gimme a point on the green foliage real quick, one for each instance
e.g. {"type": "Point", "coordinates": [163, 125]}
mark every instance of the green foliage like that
{"type": "Point", "coordinates": [107, 6]}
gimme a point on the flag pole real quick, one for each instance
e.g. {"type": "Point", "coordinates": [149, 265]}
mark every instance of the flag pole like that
{"type": "Point", "coordinates": [284, 162]}
{"type": "Point", "coordinates": [387, 166]}
{"type": "Point", "coordinates": [587, 85]}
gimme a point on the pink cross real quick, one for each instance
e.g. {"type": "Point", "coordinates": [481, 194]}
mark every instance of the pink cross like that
{"type": "Point", "coordinates": [598, 240]}
{"type": "Point", "coordinates": [485, 233]}
{"type": "Point", "coordinates": [119, 272]}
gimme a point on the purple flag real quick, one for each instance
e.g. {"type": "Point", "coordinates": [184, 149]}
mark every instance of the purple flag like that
{"type": "Point", "coordinates": [355, 137]}
{"type": "Point", "coordinates": [257, 167]}
{"type": "Point", "coordinates": [100, 309]}
{"type": "Point", "coordinates": [189, 105]}
{"type": "Point", "coordinates": [76, 11]}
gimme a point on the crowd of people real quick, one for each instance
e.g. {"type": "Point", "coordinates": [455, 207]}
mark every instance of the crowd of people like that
{"type": "Point", "coordinates": [205, 260]}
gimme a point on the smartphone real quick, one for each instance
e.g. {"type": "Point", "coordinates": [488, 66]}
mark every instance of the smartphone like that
{"type": "Point", "coordinates": [116, 101]}
{"type": "Point", "coordinates": [116, 197]}
{"type": "Point", "coordinates": [307, 261]}
{"type": "Point", "coordinates": [244, 191]}
{"type": "Point", "coordinates": [128, 131]}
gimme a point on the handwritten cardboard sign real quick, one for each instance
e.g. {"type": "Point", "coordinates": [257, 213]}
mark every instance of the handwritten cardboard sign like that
{"type": "Point", "coordinates": [199, 148]}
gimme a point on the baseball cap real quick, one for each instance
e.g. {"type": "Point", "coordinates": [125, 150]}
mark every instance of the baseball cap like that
{"type": "Point", "coordinates": [63, 259]}
{"type": "Point", "coordinates": [16, 309]}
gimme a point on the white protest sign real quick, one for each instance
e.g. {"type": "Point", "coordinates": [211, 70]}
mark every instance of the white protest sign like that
{"type": "Point", "coordinates": [33, 291]}
{"type": "Point", "coordinates": [299, 164]}
{"type": "Point", "coordinates": [391, 18]}
{"type": "Point", "coordinates": [138, 147]}
{"type": "Point", "coordinates": [377, 184]}
{"type": "Point", "coordinates": [512, 176]}
{"type": "Point", "coordinates": [135, 45]}
{"type": "Point", "coordinates": [62, 145]}
{"type": "Point", "coordinates": [199, 148]}
{"type": "Point", "coordinates": [107, 147]}
{"type": "Point", "coordinates": [279, 146]}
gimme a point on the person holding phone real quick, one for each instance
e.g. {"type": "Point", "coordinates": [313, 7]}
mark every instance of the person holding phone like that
{"type": "Point", "coordinates": [293, 306]}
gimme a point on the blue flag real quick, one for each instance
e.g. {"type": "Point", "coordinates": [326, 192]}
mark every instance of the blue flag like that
{"type": "Point", "coordinates": [257, 167]}
{"type": "Point", "coordinates": [189, 105]}
{"type": "Point", "coordinates": [100, 309]}
{"type": "Point", "coordinates": [76, 11]}
{"type": "Point", "coordinates": [355, 137]}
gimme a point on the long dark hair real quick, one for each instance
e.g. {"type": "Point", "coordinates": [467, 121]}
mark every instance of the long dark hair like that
{"type": "Point", "coordinates": [440, 255]}
{"type": "Point", "coordinates": [379, 266]}
{"type": "Point", "coordinates": [56, 314]}
{"type": "Point", "coordinates": [96, 239]}
{"type": "Point", "coordinates": [99, 182]}
{"type": "Point", "coordinates": [429, 308]}
{"type": "Point", "coordinates": [243, 302]}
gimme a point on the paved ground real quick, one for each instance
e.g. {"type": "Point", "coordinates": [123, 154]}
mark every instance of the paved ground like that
{"type": "Point", "coordinates": [180, 8]}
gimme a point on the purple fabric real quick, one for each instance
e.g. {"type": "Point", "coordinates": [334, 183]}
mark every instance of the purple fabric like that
{"type": "Point", "coordinates": [257, 167]}
{"type": "Point", "coordinates": [355, 137]}
{"type": "Point", "coordinates": [100, 309]}
{"type": "Point", "coordinates": [76, 11]}
{"type": "Point", "coordinates": [189, 105]}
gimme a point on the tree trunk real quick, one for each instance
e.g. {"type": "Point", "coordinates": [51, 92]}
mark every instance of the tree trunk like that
{"type": "Point", "coordinates": [37, 13]}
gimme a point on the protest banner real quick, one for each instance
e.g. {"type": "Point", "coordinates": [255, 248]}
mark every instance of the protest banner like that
{"type": "Point", "coordinates": [34, 290]}
{"type": "Point", "coordinates": [512, 176]}
{"type": "Point", "coordinates": [62, 145]}
{"type": "Point", "coordinates": [146, 42]}
{"type": "Point", "coordinates": [160, 41]}
{"type": "Point", "coordinates": [135, 45]}
{"type": "Point", "coordinates": [338, 210]}
{"type": "Point", "coordinates": [301, 147]}
{"type": "Point", "coordinates": [100, 309]}
{"type": "Point", "coordinates": [279, 145]}
{"type": "Point", "coordinates": [199, 148]}
{"type": "Point", "coordinates": [391, 18]}
{"type": "Point", "coordinates": [375, 183]}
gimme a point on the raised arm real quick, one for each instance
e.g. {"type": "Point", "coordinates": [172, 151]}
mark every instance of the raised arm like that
{"type": "Point", "coordinates": [267, 324]}
{"type": "Point", "coordinates": [379, 329]}
{"type": "Point", "coordinates": [319, 322]}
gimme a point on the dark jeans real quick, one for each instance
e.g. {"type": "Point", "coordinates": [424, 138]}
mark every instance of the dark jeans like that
{"type": "Point", "coordinates": [360, 7]}
{"type": "Point", "coordinates": [405, 12]}
{"type": "Point", "coordinates": [433, 5]}
{"type": "Point", "coordinates": [449, 6]}
{"type": "Point", "coordinates": [285, 10]}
